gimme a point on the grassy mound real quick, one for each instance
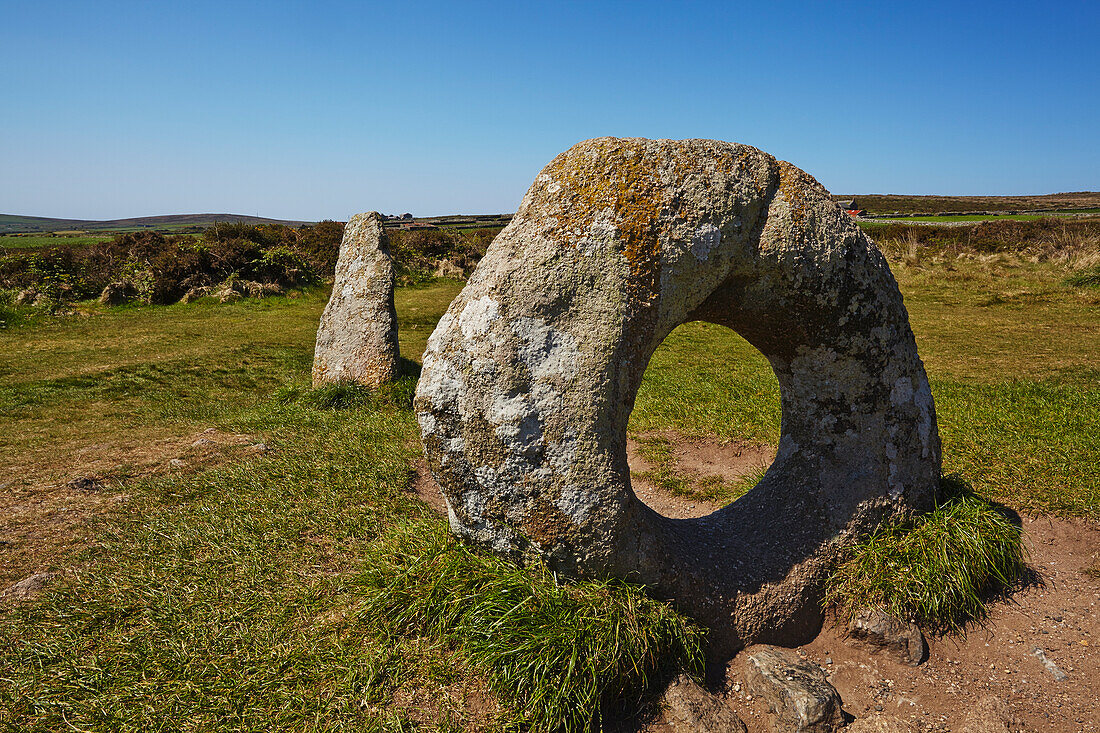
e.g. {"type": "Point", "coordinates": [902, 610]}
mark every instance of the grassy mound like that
{"type": "Point", "coordinates": [559, 653]}
{"type": "Point", "coordinates": [939, 568]}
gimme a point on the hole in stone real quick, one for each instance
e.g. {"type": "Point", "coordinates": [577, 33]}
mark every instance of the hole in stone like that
{"type": "Point", "coordinates": [705, 423]}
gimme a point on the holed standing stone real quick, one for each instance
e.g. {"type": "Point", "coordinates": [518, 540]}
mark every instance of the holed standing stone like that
{"type": "Point", "coordinates": [530, 377]}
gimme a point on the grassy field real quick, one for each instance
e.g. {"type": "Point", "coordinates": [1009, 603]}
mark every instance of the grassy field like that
{"type": "Point", "coordinates": [304, 588]}
{"type": "Point", "coordinates": [39, 241]}
{"type": "Point", "coordinates": [885, 204]}
{"type": "Point", "coordinates": [961, 218]}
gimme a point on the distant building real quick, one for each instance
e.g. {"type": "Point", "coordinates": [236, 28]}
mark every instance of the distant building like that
{"type": "Point", "coordinates": [852, 208]}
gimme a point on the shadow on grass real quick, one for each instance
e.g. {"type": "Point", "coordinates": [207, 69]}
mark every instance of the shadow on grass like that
{"type": "Point", "coordinates": [398, 393]}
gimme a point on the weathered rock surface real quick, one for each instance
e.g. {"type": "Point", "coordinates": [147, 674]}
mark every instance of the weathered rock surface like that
{"type": "Point", "coordinates": [689, 708]}
{"type": "Point", "coordinates": [530, 377]}
{"type": "Point", "coordinates": [27, 587]}
{"type": "Point", "coordinates": [118, 293]}
{"type": "Point", "coordinates": [357, 337]}
{"type": "Point", "coordinates": [881, 724]}
{"type": "Point", "coordinates": [260, 290]}
{"type": "Point", "coordinates": [877, 629]}
{"type": "Point", "coordinates": [794, 689]}
{"type": "Point", "coordinates": [193, 294]}
{"type": "Point", "coordinates": [26, 297]}
{"type": "Point", "coordinates": [227, 293]}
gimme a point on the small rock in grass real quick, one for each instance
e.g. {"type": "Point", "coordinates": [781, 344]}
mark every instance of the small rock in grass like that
{"type": "Point", "coordinates": [446, 268]}
{"type": "Point", "coordinates": [794, 689]}
{"type": "Point", "coordinates": [26, 297]}
{"type": "Point", "coordinates": [875, 628]}
{"type": "Point", "coordinates": [260, 447]}
{"type": "Point", "coordinates": [227, 293]}
{"type": "Point", "coordinates": [202, 443]}
{"type": "Point", "coordinates": [194, 294]}
{"type": "Point", "coordinates": [118, 293]}
{"type": "Point", "coordinates": [85, 483]}
{"type": "Point", "coordinates": [690, 708]}
{"type": "Point", "coordinates": [27, 587]}
{"type": "Point", "coordinates": [177, 463]}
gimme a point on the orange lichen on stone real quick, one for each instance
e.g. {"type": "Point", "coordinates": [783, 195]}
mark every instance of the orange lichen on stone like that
{"type": "Point", "coordinates": [624, 176]}
{"type": "Point", "coordinates": [792, 185]}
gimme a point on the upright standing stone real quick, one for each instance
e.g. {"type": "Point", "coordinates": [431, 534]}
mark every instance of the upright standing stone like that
{"type": "Point", "coordinates": [357, 337]}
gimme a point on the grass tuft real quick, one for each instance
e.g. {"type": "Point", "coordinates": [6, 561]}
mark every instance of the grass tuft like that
{"type": "Point", "coordinates": [1086, 278]}
{"type": "Point", "coordinates": [561, 654]}
{"type": "Point", "coordinates": [343, 396]}
{"type": "Point", "coordinates": [939, 568]}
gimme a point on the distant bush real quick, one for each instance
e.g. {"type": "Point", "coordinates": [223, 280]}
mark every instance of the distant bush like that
{"type": "Point", "coordinates": [419, 254]}
{"type": "Point", "coordinates": [1048, 237]}
{"type": "Point", "coordinates": [162, 268]}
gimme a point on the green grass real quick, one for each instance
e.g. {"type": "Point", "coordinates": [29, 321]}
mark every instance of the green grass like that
{"type": "Point", "coordinates": [555, 651]}
{"type": "Point", "coordinates": [36, 241]}
{"type": "Point", "coordinates": [1086, 278]}
{"type": "Point", "coordinates": [939, 568]}
{"type": "Point", "coordinates": [253, 596]}
{"type": "Point", "coordinates": [946, 218]}
{"type": "Point", "coordinates": [306, 589]}
{"type": "Point", "coordinates": [670, 478]}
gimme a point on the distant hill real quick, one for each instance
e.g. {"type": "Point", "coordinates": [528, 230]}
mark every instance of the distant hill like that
{"type": "Point", "coordinates": [880, 204]}
{"type": "Point", "coordinates": [16, 224]}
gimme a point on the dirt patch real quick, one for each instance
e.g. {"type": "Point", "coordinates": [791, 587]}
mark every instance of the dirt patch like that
{"type": "Point", "coordinates": [427, 490]}
{"type": "Point", "coordinates": [997, 658]}
{"type": "Point", "coordinates": [45, 507]}
{"type": "Point", "coordinates": [466, 705]}
{"type": "Point", "coordinates": [697, 462]}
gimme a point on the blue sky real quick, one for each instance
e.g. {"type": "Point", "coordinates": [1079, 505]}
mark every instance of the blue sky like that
{"type": "Point", "coordinates": [322, 109]}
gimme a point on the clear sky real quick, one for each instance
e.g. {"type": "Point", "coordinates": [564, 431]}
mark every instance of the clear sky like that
{"type": "Point", "coordinates": [321, 109]}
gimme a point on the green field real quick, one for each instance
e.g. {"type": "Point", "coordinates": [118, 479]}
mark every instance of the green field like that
{"type": "Point", "coordinates": [37, 241]}
{"type": "Point", "coordinates": [948, 218]}
{"type": "Point", "coordinates": [305, 588]}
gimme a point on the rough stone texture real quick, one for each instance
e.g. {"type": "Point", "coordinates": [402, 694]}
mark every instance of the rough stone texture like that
{"type": "Point", "coordinates": [194, 294]}
{"type": "Point", "coordinates": [991, 715]}
{"type": "Point", "coordinates": [227, 293]}
{"type": "Point", "coordinates": [117, 293]}
{"type": "Point", "coordinates": [687, 707]}
{"type": "Point", "coordinates": [26, 297]}
{"type": "Point", "coordinates": [881, 724]}
{"type": "Point", "coordinates": [27, 587]}
{"type": "Point", "coordinates": [877, 629]}
{"type": "Point", "coordinates": [794, 689]}
{"type": "Point", "coordinates": [530, 377]}
{"type": "Point", "coordinates": [357, 338]}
